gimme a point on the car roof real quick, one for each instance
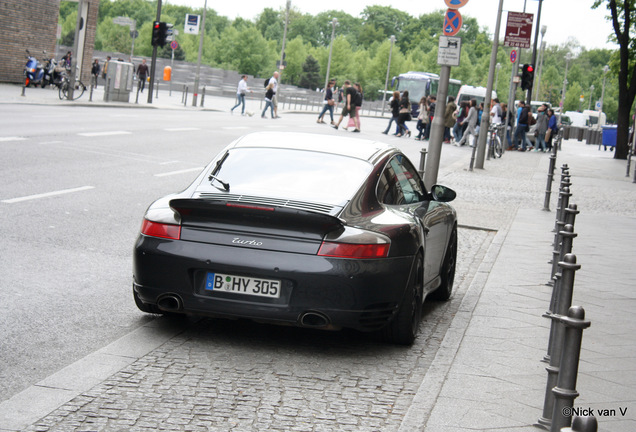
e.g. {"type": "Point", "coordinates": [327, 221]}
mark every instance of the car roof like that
{"type": "Point", "coordinates": [364, 149]}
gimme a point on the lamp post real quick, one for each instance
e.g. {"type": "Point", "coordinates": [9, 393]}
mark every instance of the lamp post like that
{"type": "Point", "coordinates": [388, 68]}
{"type": "Point", "coordinates": [605, 70]}
{"type": "Point", "coordinates": [497, 78]}
{"type": "Point", "coordinates": [589, 104]}
{"type": "Point", "coordinates": [537, 95]}
{"type": "Point", "coordinates": [334, 23]}
{"type": "Point", "coordinates": [568, 57]}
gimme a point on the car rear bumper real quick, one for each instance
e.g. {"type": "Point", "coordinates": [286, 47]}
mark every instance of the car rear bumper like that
{"type": "Point", "coordinates": [314, 292]}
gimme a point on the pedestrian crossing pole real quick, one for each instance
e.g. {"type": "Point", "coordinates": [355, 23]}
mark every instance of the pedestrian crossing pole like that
{"type": "Point", "coordinates": [485, 118]}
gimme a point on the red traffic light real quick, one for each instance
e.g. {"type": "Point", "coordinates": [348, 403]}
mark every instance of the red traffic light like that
{"type": "Point", "coordinates": [530, 68]}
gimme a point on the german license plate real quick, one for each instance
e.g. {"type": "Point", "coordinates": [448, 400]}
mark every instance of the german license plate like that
{"type": "Point", "coordinates": [243, 285]}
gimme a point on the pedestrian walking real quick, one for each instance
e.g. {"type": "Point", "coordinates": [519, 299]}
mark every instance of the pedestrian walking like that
{"type": "Point", "coordinates": [522, 127]}
{"type": "Point", "coordinates": [358, 106]}
{"type": "Point", "coordinates": [274, 81]}
{"type": "Point", "coordinates": [241, 91]}
{"type": "Point", "coordinates": [142, 74]}
{"type": "Point", "coordinates": [105, 68]}
{"type": "Point", "coordinates": [329, 102]}
{"type": "Point", "coordinates": [348, 108]}
{"type": "Point", "coordinates": [449, 120]}
{"type": "Point", "coordinates": [431, 115]}
{"type": "Point", "coordinates": [422, 118]}
{"type": "Point", "coordinates": [269, 97]}
{"type": "Point", "coordinates": [553, 128]}
{"type": "Point", "coordinates": [405, 115]}
{"type": "Point", "coordinates": [394, 103]}
{"type": "Point", "coordinates": [542, 128]}
{"type": "Point", "coordinates": [471, 125]}
{"type": "Point", "coordinates": [460, 115]}
{"type": "Point", "coordinates": [95, 69]}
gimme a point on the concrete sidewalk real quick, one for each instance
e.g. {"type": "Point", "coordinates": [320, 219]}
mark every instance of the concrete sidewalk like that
{"type": "Point", "coordinates": [488, 374]}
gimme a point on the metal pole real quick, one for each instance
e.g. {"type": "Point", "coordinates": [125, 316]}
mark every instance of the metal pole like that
{"type": "Point", "coordinates": [437, 129]}
{"type": "Point", "coordinates": [195, 91]}
{"type": "Point", "coordinates": [534, 51]}
{"type": "Point", "coordinates": [333, 32]}
{"type": "Point", "coordinates": [537, 93]}
{"type": "Point", "coordinates": [485, 118]}
{"type": "Point", "coordinates": [388, 69]}
{"type": "Point", "coordinates": [565, 83]}
{"type": "Point", "coordinates": [153, 63]}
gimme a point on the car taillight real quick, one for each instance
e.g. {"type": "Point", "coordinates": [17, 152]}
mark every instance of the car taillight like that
{"type": "Point", "coordinates": [162, 230]}
{"type": "Point", "coordinates": [352, 250]}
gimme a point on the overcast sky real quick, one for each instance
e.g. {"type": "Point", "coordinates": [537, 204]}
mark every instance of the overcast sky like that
{"type": "Point", "coordinates": [563, 18]}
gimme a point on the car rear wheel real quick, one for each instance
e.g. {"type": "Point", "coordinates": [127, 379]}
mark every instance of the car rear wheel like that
{"type": "Point", "coordinates": [405, 325]}
{"type": "Point", "coordinates": [448, 270]}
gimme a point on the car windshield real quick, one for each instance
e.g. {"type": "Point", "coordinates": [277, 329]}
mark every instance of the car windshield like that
{"type": "Point", "coordinates": [293, 174]}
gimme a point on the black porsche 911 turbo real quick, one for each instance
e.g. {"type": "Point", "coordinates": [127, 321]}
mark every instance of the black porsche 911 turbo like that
{"type": "Point", "coordinates": [296, 229]}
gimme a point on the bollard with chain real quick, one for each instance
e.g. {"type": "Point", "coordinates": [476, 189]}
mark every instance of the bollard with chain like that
{"type": "Point", "coordinates": [557, 334]}
{"type": "Point", "coordinates": [582, 424]}
{"type": "Point", "coordinates": [565, 391]}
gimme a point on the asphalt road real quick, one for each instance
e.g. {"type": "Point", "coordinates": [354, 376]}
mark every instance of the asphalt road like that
{"type": "Point", "coordinates": [75, 182]}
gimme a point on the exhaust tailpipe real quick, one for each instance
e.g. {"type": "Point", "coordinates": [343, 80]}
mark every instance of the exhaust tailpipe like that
{"type": "Point", "coordinates": [314, 319]}
{"type": "Point", "coordinates": [170, 303]}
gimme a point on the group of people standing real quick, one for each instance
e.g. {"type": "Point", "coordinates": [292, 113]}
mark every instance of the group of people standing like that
{"type": "Point", "coordinates": [546, 130]}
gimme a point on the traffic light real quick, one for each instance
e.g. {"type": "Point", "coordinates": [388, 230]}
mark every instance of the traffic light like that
{"type": "Point", "coordinates": [169, 32]}
{"type": "Point", "coordinates": [159, 33]}
{"type": "Point", "coordinates": [527, 76]}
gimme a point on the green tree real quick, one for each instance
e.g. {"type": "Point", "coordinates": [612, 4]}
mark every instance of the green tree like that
{"type": "Point", "coordinates": [310, 77]}
{"type": "Point", "coordinates": [623, 15]}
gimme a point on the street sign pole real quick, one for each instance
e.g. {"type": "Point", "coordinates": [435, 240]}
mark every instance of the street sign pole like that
{"type": "Point", "coordinates": [449, 53]}
{"type": "Point", "coordinates": [485, 117]}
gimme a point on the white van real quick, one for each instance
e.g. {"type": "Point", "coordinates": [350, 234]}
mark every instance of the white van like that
{"type": "Point", "coordinates": [467, 92]}
{"type": "Point", "coordinates": [595, 119]}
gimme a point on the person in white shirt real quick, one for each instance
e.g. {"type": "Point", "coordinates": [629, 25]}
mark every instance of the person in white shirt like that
{"type": "Point", "coordinates": [495, 112]}
{"type": "Point", "coordinates": [241, 91]}
{"type": "Point", "coordinates": [274, 80]}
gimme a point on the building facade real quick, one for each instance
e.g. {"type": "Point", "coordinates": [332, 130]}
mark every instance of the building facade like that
{"type": "Point", "coordinates": [32, 25]}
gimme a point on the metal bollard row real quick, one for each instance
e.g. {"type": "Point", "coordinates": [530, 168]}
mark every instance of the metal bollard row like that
{"type": "Point", "coordinates": [565, 390]}
{"type": "Point", "coordinates": [564, 290]}
{"type": "Point", "coordinates": [566, 327]}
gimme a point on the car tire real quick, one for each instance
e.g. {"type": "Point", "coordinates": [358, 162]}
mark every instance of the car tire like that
{"type": "Point", "coordinates": [447, 274]}
{"type": "Point", "coordinates": [405, 325]}
{"type": "Point", "coordinates": [145, 307]}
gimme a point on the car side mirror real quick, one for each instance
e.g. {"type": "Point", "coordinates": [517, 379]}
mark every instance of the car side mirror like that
{"type": "Point", "coordinates": [442, 193]}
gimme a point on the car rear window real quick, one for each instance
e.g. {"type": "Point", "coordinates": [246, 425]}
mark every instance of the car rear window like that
{"type": "Point", "coordinates": [294, 174]}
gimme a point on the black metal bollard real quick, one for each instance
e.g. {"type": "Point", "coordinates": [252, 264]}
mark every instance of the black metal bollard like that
{"type": "Point", "coordinates": [569, 216]}
{"type": "Point", "coordinates": [565, 391]}
{"type": "Point", "coordinates": [472, 157]}
{"type": "Point", "coordinates": [202, 96]}
{"type": "Point", "coordinates": [564, 292]}
{"type": "Point", "coordinates": [423, 153]}
{"type": "Point", "coordinates": [568, 236]}
{"type": "Point", "coordinates": [548, 187]}
{"type": "Point", "coordinates": [185, 95]}
{"type": "Point", "coordinates": [582, 424]}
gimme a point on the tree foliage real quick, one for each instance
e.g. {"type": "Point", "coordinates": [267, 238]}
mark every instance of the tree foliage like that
{"type": "Point", "coordinates": [360, 49]}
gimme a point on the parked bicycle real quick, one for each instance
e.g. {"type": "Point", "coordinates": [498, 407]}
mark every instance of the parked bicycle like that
{"type": "Point", "coordinates": [495, 147]}
{"type": "Point", "coordinates": [78, 89]}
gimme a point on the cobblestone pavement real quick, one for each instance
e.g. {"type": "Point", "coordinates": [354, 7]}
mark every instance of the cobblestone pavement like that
{"type": "Point", "coordinates": [224, 375]}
